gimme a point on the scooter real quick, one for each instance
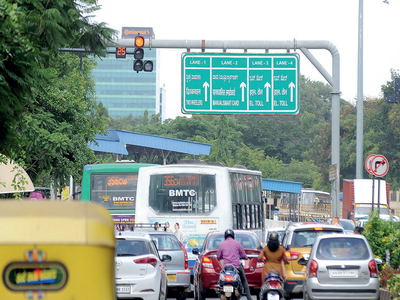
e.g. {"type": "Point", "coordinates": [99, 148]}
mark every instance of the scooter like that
{"type": "Point", "coordinates": [272, 288]}
{"type": "Point", "coordinates": [229, 284]}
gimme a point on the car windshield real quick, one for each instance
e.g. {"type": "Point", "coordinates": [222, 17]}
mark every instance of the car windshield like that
{"type": "Point", "coordinates": [347, 225]}
{"type": "Point", "coordinates": [306, 238]}
{"type": "Point", "coordinates": [131, 248]}
{"type": "Point", "coordinates": [166, 242]}
{"type": "Point", "coordinates": [342, 249]}
{"type": "Point", "coordinates": [248, 241]}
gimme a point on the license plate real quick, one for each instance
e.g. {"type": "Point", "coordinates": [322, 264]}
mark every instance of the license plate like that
{"type": "Point", "coordinates": [272, 296]}
{"type": "Point", "coordinates": [123, 289]}
{"type": "Point", "coordinates": [228, 289]}
{"type": "Point", "coordinates": [343, 273]}
{"type": "Point", "coordinates": [171, 277]}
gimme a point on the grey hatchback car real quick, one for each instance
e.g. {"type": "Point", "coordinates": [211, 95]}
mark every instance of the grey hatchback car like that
{"type": "Point", "coordinates": [341, 267]}
{"type": "Point", "coordinates": [178, 272]}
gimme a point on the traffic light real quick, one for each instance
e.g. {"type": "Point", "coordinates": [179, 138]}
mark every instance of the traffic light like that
{"type": "Point", "coordinates": [138, 64]}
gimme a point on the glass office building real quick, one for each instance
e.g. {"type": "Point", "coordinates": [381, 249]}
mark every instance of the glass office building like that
{"type": "Point", "coordinates": [124, 91]}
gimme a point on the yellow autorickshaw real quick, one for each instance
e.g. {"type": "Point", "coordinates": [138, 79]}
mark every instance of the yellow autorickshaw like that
{"type": "Point", "coordinates": [56, 250]}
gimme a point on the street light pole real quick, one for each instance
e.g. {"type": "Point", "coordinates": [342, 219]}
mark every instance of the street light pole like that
{"type": "Point", "coordinates": [360, 96]}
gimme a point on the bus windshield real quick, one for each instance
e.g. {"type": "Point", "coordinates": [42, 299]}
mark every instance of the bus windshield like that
{"type": "Point", "coordinates": [114, 190]}
{"type": "Point", "coordinates": [366, 210]}
{"type": "Point", "coordinates": [182, 193]}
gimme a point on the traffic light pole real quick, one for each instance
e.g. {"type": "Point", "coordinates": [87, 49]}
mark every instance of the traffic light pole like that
{"type": "Point", "coordinates": [304, 47]}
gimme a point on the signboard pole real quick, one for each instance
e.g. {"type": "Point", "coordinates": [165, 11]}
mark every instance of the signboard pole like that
{"type": "Point", "coordinates": [373, 191]}
{"type": "Point", "coordinates": [379, 194]}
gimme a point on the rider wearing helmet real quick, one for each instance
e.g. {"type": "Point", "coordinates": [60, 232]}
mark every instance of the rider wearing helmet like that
{"type": "Point", "coordinates": [274, 255]}
{"type": "Point", "coordinates": [231, 251]}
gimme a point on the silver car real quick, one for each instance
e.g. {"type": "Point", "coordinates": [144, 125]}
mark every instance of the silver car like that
{"type": "Point", "coordinates": [178, 272]}
{"type": "Point", "coordinates": [139, 271]}
{"type": "Point", "coordinates": [341, 267]}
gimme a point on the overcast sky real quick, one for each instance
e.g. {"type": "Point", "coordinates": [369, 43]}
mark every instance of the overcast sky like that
{"type": "Point", "coordinates": [332, 20]}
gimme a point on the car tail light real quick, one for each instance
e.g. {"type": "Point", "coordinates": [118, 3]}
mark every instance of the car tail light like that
{"type": "Point", "coordinates": [292, 255]}
{"type": "Point", "coordinates": [186, 256]}
{"type": "Point", "coordinates": [313, 269]}
{"type": "Point", "coordinates": [373, 272]}
{"type": "Point", "coordinates": [146, 260]}
{"type": "Point", "coordinates": [207, 262]}
{"type": "Point", "coordinates": [318, 228]}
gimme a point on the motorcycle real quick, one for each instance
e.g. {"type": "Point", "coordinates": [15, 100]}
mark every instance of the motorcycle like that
{"type": "Point", "coordinates": [229, 283]}
{"type": "Point", "coordinates": [272, 288]}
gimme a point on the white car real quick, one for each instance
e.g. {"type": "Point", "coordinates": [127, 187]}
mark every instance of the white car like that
{"type": "Point", "coordinates": [139, 271]}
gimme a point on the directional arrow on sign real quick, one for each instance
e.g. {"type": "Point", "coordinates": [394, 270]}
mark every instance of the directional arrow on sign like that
{"type": "Point", "coordinates": [291, 86]}
{"type": "Point", "coordinates": [242, 86]}
{"type": "Point", "coordinates": [205, 86]}
{"type": "Point", "coordinates": [267, 87]}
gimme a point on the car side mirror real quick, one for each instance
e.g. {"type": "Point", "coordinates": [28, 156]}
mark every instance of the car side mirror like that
{"type": "Point", "coordinates": [378, 261]}
{"type": "Point", "coordinates": [195, 251]}
{"type": "Point", "coordinates": [166, 258]}
{"type": "Point", "coordinates": [304, 260]}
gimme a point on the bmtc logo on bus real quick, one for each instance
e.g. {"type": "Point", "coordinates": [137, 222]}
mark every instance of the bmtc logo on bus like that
{"type": "Point", "coordinates": [186, 193]}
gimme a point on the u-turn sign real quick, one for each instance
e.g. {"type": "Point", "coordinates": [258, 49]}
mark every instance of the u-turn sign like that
{"type": "Point", "coordinates": [235, 83]}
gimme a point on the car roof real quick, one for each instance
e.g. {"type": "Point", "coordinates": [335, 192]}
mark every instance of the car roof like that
{"type": "Point", "coordinates": [236, 231]}
{"type": "Point", "coordinates": [276, 228]}
{"type": "Point", "coordinates": [313, 225]}
{"type": "Point", "coordinates": [134, 235]}
{"type": "Point", "coordinates": [339, 235]}
{"type": "Point", "coordinates": [346, 220]}
{"type": "Point", "coordinates": [159, 232]}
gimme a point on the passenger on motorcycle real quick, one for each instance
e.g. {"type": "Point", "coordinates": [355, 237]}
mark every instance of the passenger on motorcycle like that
{"type": "Point", "coordinates": [231, 251]}
{"type": "Point", "coordinates": [273, 254]}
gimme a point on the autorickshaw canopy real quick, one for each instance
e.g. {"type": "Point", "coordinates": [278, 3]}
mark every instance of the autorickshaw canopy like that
{"type": "Point", "coordinates": [55, 223]}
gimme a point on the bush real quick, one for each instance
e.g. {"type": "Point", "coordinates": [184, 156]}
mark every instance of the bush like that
{"type": "Point", "coordinates": [382, 235]}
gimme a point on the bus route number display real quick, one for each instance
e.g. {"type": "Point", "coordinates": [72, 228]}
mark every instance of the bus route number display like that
{"type": "Point", "coordinates": [117, 180]}
{"type": "Point", "coordinates": [181, 180]}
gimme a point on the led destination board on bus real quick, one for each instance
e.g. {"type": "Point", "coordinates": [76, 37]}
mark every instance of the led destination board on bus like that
{"type": "Point", "coordinates": [181, 180]}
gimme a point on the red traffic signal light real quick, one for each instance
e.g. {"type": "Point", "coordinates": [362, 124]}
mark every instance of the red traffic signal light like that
{"type": "Point", "coordinates": [139, 41]}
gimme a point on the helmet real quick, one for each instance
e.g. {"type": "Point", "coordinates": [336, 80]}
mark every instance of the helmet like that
{"type": "Point", "coordinates": [229, 232]}
{"type": "Point", "coordinates": [273, 236]}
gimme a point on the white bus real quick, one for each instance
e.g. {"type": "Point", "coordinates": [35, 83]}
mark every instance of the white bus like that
{"type": "Point", "coordinates": [200, 197]}
{"type": "Point", "coordinates": [310, 204]}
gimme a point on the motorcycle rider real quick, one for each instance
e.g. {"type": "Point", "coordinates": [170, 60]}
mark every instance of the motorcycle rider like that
{"type": "Point", "coordinates": [231, 251]}
{"type": "Point", "coordinates": [274, 253]}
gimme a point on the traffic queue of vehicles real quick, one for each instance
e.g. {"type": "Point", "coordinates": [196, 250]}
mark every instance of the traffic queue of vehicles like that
{"type": "Point", "coordinates": [323, 261]}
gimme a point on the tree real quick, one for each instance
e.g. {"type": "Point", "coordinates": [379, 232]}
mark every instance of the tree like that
{"type": "Point", "coordinates": [60, 122]}
{"type": "Point", "coordinates": [31, 33]}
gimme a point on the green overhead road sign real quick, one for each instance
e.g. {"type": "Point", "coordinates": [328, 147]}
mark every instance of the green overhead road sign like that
{"type": "Point", "coordinates": [222, 83]}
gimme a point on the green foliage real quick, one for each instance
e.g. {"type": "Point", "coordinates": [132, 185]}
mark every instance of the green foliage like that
{"type": "Point", "coordinates": [31, 33]}
{"type": "Point", "coordinates": [62, 119]}
{"type": "Point", "coordinates": [393, 285]}
{"type": "Point", "coordinates": [383, 235]}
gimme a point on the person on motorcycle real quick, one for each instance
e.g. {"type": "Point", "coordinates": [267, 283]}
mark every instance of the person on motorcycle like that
{"type": "Point", "coordinates": [274, 254]}
{"type": "Point", "coordinates": [231, 251]}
